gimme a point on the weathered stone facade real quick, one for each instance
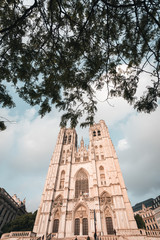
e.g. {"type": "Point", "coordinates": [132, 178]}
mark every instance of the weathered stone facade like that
{"type": "Point", "coordinates": [83, 182]}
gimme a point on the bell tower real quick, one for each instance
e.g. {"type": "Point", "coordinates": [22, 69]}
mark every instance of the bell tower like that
{"type": "Point", "coordinates": [57, 184]}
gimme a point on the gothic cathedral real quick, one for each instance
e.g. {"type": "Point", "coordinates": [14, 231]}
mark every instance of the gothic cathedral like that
{"type": "Point", "coordinates": [84, 190]}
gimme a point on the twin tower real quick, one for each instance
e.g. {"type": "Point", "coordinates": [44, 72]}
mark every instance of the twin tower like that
{"type": "Point", "coordinates": [84, 190]}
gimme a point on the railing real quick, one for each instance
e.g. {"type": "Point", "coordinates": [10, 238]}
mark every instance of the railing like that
{"type": "Point", "coordinates": [19, 234]}
{"type": "Point", "coordinates": [107, 237]}
{"type": "Point", "coordinates": [5, 235]}
{"type": "Point", "coordinates": [111, 237]}
{"type": "Point", "coordinates": [155, 233]}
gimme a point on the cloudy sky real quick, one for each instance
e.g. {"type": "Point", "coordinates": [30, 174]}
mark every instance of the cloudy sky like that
{"type": "Point", "coordinates": [27, 145]}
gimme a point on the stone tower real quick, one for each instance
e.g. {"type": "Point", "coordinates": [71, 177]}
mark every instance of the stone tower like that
{"type": "Point", "coordinates": [84, 189]}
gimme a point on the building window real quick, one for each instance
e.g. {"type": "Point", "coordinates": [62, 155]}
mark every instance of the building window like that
{"type": "Point", "coordinates": [77, 226]}
{"type": "Point", "coordinates": [99, 133]}
{"type": "Point", "coordinates": [102, 157]}
{"type": "Point", "coordinates": [55, 225]}
{"type": "Point", "coordinates": [102, 175]}
{"type": "Point", "coordinates": [65, 140]}
{"type": "Point", "coordinates": [62, 179]}
{"type": "Point", "coordinates": [81, 184]}
{"type": "Point", "coordinates": [109, 225]}
{"type": "Point", "coordinates": [69, 139]}
{"type": "Point", "coordinates": [94, 133]}
{"type": "Point", "coordinates": [85, 226]}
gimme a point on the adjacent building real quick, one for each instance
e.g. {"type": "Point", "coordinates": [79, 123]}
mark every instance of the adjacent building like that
{"type": "Point", "coordinates": [148, 211]}
{"type": "Point", "coordinates": [10, 207]}
{"type": "Point", "coordinates": [156, 209]}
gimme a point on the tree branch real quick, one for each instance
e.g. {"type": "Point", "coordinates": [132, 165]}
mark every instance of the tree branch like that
{"type": "Point", "coordinates": [139, 3]}
{"type": "Point", "coordinates": [26, 14]}
{"type": "Point", "coordinates": [151, 15]}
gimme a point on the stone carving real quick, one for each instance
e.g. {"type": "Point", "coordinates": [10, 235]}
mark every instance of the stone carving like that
{"type": "Point", "coordinates": [58, 202]}
{"type": "Point", "coordinates": [105, 199]}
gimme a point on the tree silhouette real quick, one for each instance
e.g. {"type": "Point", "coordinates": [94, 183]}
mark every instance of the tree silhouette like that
{"type": "Point", "coordinates": [60, 52]}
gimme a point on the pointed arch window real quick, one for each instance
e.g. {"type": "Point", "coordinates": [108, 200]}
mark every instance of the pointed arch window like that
{"type": "Point", "coordinates": [99, 133]}
{"type": "Point", "coordinates": [56, 221]}
{"type": "Point", "coordinates": [69, 139]}
{"type": "Point", "coordinates": [55, 225]}
{"type": "Point", "coordinates": [77, 226]}
{"type": "Point", "coordinates": [102, 175]}
{"type": "Point", "coordinates": [65, 139]}
{"type": "Point", "coordinates": [94, 133]}
{"type": "Point", "coordinates": [62, 179]}
{"type": "Point", "coordinates": [81, 184]}
{"type": "Point", "coordinates": [85, 226]}
{"type": "Point", "coordinates": [109, 225]}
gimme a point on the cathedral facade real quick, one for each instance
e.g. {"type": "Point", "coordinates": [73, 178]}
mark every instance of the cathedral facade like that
{"type": "Point", "coordinates": [84, 192]}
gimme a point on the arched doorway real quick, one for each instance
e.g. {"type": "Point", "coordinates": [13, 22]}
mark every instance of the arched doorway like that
{"type": "Point", "coordinates": [108, 221]}
{"type": "Point", "coordinates": [56, 222]}
{"type": "Point", "coordinates": [56, 214]}
{"type": "Point", "coordinates": [81, 221]}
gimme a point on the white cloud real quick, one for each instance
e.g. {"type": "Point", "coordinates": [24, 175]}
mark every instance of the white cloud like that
{"type": "Point", "coordinates": [26, 149]}
{"type": "Point", "coordinates": [115, 110]}
{"type": "Point", "coordinates": [140, 163]}
{"type": "Point", "coordinates": [123, 144]}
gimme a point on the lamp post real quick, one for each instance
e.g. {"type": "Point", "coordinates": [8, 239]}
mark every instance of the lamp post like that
{"type": "Point", "coordinates": [95, 233]}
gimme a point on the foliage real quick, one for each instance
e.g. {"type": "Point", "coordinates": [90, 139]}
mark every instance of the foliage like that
{"type": "Point", "coordinates": [2, 126]}
{"type": "Point", "coordinates": [60, 52]}
{"type": "Point", "coordinates": [3, 122]}
{"type": "Point", "coordinates": [20, 223]}
{"type": "Point", "coordinates": [139, 221]}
